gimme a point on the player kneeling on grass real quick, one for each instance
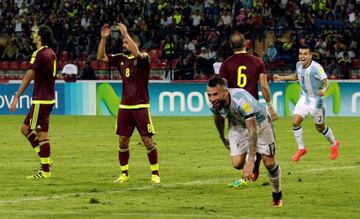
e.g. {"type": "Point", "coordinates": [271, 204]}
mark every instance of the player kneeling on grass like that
{"type": "Point", "coordinates": [250, 132]}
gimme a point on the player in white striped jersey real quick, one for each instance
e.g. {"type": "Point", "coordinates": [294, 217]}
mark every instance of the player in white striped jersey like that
{"type": "Point", "coordinates": [314, 84]}
{"type": "Point", "coordinates": [250, 131]}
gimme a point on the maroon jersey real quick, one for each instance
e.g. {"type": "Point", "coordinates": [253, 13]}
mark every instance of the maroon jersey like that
{"type": "Point", "coordinates": [242, 70]}
{"type": "Point", "coordinates": [135, 76]}
{"type": "Point", "coordinates": [43, 63]}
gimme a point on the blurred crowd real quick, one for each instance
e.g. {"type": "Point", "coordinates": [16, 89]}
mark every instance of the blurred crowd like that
{"type": "Point", "coordinates": [192, 32]}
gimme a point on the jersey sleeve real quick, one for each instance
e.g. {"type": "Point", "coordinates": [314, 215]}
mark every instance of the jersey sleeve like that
{"type": "Point", "coordinates": [115, 59]}
{"type": "Point", "coordinates": [321, 73]}
{"type": "Point", "coordinates": [245, 108]}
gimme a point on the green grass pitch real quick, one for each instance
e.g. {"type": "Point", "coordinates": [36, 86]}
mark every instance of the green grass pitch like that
{"type": "Point", "coordinates": [195, 169]}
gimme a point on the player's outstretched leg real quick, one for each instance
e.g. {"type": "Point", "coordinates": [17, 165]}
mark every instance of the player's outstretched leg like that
{"type": "Point", "coordinates": [45, 161]}
{"type": "Point", "coordinates": [298, 134]}
{"type": "Point", "coordinates": [328, 134]}
{"type": "Point", "coordinates": [274, 174]}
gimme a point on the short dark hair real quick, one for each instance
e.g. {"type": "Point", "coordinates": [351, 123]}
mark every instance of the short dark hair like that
{"type": "Point", "coordinates": [47, 37]}
{"type": "Point", "coordinates": [305, 46]}
{"type": "Point", "coordinates": [216, 81]}
{"type": "Point", "coordinates": [237, 41]}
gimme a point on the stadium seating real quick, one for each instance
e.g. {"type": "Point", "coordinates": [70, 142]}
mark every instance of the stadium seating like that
{"type": "Point", "coordinates": [4, 65]}
{"type": "Point", "coordinates": [154, 54]}
{"type": "Point", "coordinates": [24, 65]}
{"type": "Point", "coordinates": [64, 56]}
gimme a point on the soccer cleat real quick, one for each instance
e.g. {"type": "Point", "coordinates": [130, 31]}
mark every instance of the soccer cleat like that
{"type": "Point", "coordinates": [40, 175]}
{"type": "Point", "coordinates": [240, 183]}
{"type": "Point", "coordinates": [255, 175]}
{"type": "Point", "coordinates": [155, 178]}
{"type": "Point", "coordinates": [122, 178]}
{"type": "Point", "coordinates": [299, 154]}
{"type": "Point", "coordinates": [335, 150]}
{"type": "Point", "coordinates": [277, 200]}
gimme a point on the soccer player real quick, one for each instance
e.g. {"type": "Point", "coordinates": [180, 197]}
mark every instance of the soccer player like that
{"type": "Point", "coordinates": [250, 131]}
{"type": "Point", "coordinates": [243, 70]}
{"type": "Point", "coordinates": [314, 84]}
{"type": "Point", "coordinates": [36, 124]}
{"type": "Point", "coordinates": [134, 68]}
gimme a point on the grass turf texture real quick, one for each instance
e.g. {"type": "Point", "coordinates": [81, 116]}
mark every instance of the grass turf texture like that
{"type": "Point", "coordinates": [194, 167]}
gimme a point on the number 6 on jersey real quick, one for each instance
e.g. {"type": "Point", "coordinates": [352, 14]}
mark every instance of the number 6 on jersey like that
{"type": "Point", "coordinates": [241, 79]}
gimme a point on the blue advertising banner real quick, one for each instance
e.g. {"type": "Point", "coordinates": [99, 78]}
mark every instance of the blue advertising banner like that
{"type": "Point", "coordinates": [174, 99]}
{"type": "Point", "coordinates": [71, 99]}
{"type": "Point", "coordinates": [166, 99]}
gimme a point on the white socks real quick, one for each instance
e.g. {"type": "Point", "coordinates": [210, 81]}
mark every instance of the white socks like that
{"type": "Point", "coordinates": [328, 134]}
{"type": "Point", "coordinates": [298, 134]}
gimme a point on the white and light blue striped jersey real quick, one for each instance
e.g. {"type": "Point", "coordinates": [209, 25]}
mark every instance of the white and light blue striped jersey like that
{"type": "Point", "coordinates": [310, 80]}
{"type": "Point", "coordinates": [243, 105]}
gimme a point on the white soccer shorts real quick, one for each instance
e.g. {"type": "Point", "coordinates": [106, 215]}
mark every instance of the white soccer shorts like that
{"type": "Point", "coordinates": [239, 141]}
{"type": "Point", "coordinates": [303, 110]}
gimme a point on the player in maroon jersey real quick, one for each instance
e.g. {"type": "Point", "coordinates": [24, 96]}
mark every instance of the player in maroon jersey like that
{"type": "Point", "coordinates": [243, 70]}
{"type": "Point", "coordinates": [134, 109]}
{"type": "Point", "coordinates": [43, 71]}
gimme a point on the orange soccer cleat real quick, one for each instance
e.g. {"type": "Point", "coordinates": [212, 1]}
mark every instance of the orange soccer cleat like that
{"type": "Point", "coordinates": [335, 150]}
{"type": "Point", "coordinates": [299, 154]}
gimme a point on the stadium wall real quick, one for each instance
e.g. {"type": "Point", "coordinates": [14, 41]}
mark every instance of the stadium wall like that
{"type": "Point", "coordinates": [173, 99]}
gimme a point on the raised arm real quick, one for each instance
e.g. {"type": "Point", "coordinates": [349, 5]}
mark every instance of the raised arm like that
{"type": "Point", "coordinates": [265, 90]}
{"type": "Point", "coordinates": [132, 46]}
{"type": "Point", "coordinates": [105, 33]}
{"type": "Point", "coordinates": [291, 77]}
{"type": "Point", "coordinates": [28, 77]}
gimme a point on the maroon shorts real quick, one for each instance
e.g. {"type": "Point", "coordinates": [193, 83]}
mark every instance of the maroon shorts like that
{"type": "Point", "coordinates": [128, 119]}
{"type": "Point", "coordinates": [38, 117]}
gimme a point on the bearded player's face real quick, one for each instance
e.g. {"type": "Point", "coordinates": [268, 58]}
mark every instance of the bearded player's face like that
{"type": "Point", "coordinates": [216, 96]}
{"type": "Point", "coordinates": [125, 46]}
